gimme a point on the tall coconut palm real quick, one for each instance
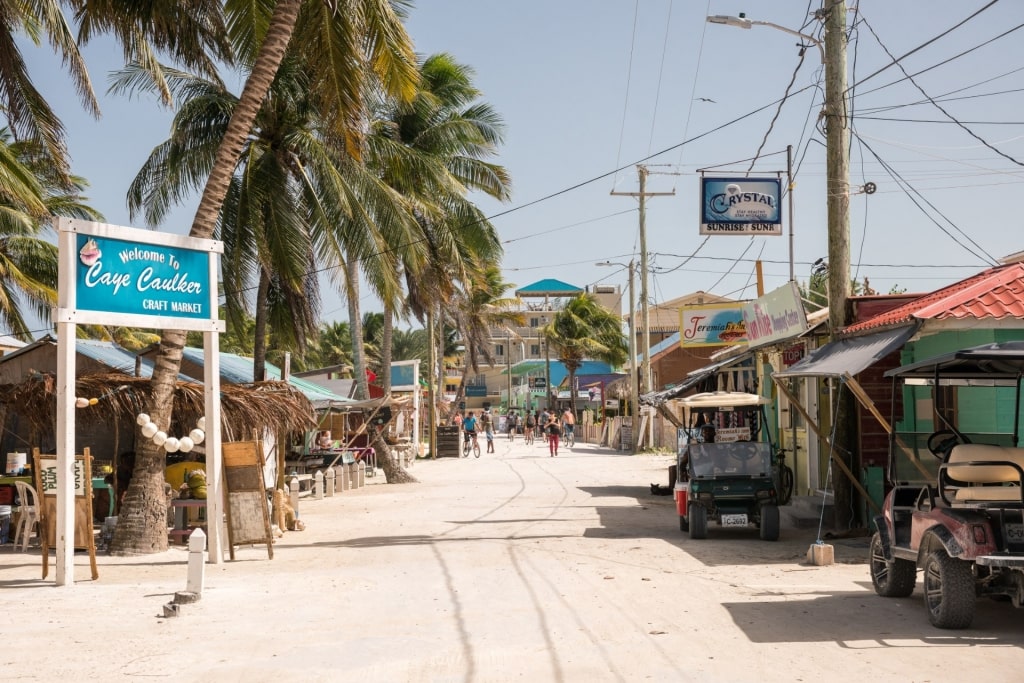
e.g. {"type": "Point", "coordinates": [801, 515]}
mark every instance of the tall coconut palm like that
{"type": "Point", "coordinates": [586, 329]}
{"type": "Point", "coordinates": [34, 189]}
{"type": "Point", "coordinates": [481, 308]}
{"type": "Point", "coordinates": [191, 32]}
{"type": "Point", "coordinates": [433, 151]}
{"type": "Point", "coordinates": [383, 45]}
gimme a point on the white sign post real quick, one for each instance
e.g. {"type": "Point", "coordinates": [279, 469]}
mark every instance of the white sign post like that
{"type": "Point", "coordinates": [113, 275]}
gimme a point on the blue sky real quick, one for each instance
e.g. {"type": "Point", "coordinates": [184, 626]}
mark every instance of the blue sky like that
{"type": "Point", "coordinates": [588, 86]}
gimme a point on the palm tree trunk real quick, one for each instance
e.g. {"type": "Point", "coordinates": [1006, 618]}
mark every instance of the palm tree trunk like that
{"type": "Point", "coordinates": [142, 528]}
{"type": "Point", "coordinates": [572, 390]}
{"type": "Point", "coordinates": [431, 387]}
{"type": "Point", "coordinates": [387, 335]}
{"type": "Point", "coordinates": [259, 345]}
{"type": "Point", "coordinates": [355, 323]}
{"type": "Point", "coordinates": [142, 520]}
{"type": "Point", "coordinates": [394, 473]}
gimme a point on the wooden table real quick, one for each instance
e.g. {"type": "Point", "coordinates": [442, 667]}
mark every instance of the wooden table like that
{"type": "Point", "coordinates": [180, 508]}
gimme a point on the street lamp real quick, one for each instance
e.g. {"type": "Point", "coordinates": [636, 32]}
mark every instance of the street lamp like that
{"type": "Point", "coordinates": [634, 390]}
{"type": "Point", "coordinates": [837, 171]}
{"type": "Point", "coordinates": [833, 57]}
{"type": "Point", "coordinates": [742, 22]}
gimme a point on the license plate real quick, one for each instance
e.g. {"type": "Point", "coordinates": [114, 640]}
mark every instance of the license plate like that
{"type": "Point", "coordinates": [1015, 533]}
{"type": "Point", "coordinates": [734, 520]}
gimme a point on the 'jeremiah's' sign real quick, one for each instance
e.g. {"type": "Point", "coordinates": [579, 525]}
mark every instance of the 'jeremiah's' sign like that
{"type": "Point", "coordinates": [126, 277]}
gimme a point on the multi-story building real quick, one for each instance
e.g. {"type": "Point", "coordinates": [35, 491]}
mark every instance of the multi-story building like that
{"type": "Point", "coordinates": [524, 367]}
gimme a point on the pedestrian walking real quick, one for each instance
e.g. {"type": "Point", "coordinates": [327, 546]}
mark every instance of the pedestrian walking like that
{"type": "Point", "coordinates": [552, 429]}
{"type": "Point", "coordinates": [487, 424]}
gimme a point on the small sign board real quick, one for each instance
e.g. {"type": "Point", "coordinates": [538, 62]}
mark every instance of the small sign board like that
{"type": "Point", "coordinates": [247, 515]}
{"type": "Point", "coordinates": [47, 478]}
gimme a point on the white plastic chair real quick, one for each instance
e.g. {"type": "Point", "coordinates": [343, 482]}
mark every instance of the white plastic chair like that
{"type": "Point", "coordinates": [29, 500]}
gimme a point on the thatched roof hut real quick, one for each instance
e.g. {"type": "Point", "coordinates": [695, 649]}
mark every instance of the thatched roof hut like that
{"type": "Point", "coordinates": [121, 398]}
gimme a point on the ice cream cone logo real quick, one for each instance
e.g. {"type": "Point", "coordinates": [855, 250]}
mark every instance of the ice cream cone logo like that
{"type": "Point", "coordinates": [90, 253]}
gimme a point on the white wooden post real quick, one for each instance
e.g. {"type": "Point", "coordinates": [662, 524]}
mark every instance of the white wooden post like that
{"type": "Point", "coordinates": [196, 562]}
{"type": "Point", "coordinates": [361, 473]}
{"type": "Point", "coordinates": [293, 494]}
{"type": "Point", "coordinates": [318, 485]}
{"type": "Point", "coordinates": [346, 483]}
{"type": "Point", "coordinates": [330, 478]}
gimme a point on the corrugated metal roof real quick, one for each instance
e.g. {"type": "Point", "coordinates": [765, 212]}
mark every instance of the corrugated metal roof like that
{"type": "Point", "coordinates": [113, 356]}
{"type": "Point", "coordinates": [995, 293]}
{"type": "Point", "coordinates": [238, 370]}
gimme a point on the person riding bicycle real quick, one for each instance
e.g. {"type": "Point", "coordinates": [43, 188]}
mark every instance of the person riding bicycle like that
{"type": "Point", "coordinates": [569, 424]}
{"type": "Point", "coordinates": [469, 426]}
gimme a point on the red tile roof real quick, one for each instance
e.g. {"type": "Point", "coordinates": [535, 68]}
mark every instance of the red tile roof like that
{"type": "Point", "coordinates": [996, 293]}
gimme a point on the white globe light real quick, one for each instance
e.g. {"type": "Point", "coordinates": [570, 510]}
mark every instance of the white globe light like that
{"type": "Point", "coordinates": [197, 435]}
{"type": "Point", "coordinates": [185, 444]}
{"type": "Point", "coordinates": [142, 420]}
{"type": "Point", "coordinates": [149, 429]}
{"type": "Point", "coordinates": [201, 423]}
{"type": "Point", "coordinates": [159, 438]}
{"type": "Point", "coordinates": [171, 444]}
{"type": "Point", "coordinates": [81, 402]}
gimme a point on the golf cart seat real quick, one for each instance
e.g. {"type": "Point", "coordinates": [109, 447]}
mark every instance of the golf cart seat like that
{"type": "Point", "coordinates": [982, 467]}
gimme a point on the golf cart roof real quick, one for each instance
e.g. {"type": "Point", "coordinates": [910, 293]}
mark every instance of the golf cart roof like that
{"type": "Point", "coordinates": [722, 399]}
{"type": "Point", "coordinates": [1001, 361]}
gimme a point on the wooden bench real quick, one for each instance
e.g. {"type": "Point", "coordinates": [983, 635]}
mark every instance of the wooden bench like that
{"type": "Point", "coordinates": [992, 473]}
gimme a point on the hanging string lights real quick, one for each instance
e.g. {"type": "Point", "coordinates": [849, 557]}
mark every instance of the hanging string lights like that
{"type": "Point", "coordinates": [172, 444]}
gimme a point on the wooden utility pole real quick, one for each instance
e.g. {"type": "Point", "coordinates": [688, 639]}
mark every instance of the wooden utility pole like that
{"type": "Point", "coordinates": [837, 142]}
{"type": "Point", "coordinates": [645, 314]}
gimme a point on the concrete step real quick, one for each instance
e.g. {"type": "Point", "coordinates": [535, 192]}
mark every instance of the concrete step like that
{"type": "Point", "coordinates": [804, 512]}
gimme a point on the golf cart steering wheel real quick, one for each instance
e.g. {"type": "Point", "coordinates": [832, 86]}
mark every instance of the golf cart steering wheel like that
{"type": "Point", "coordinates": [941, 443]}
{"type": "Point", "coordinates": [748, 453]}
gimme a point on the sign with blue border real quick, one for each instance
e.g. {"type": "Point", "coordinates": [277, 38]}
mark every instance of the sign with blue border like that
{"type": "Point", "coordinates": [740, 206]}
{"type": "Point", "coordinates": [119, 276]}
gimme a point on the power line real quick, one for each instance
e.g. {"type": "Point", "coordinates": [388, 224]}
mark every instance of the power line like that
{"type": "Point", "coordinates": [629, 81]}
{"type": "Point", "coordinates": [923, 45]}
{"type": "Point", "coordinates": [911, 195]}
{"type": "Point", "coordinates": [661, 73]}
{"type": "Point", "coordinates": [936, 104]}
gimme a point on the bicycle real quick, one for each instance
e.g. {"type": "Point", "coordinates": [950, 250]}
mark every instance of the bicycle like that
{"type": "Point", "coordinates": [569, 437]}
{"type": "Point", "coordinates": [470, 444]}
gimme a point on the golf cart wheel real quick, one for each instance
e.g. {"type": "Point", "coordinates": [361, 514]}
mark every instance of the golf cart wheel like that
{"type": "Point", "coordinates": [683, 524]}
{"type": "Point", "coordinates": [770, 523]}
{"type": "Point", "coordinates": [891, 578]}
{"type": "Point", "coordinates": [948, 591]}
{"type": "Point", "coordinates": [698, 516]}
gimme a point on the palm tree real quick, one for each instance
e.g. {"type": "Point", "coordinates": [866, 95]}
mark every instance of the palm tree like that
{"type": "Point", "coordinates": [482, 308]}
{"type": "Point", "coordinates": [585, 329]}
{"type": "Point", "coordinates": [34, 190]}
{"type": "Point", "coordinates": [383, 44]}
{"type": "Point", "coordinates": [432, 151]}
{"type": "Point", "coordinates": [191, 32]}
{"type": "Point", "coordinates": [410, 345]}
{"type": "Point", "coordinates": [267, 235]}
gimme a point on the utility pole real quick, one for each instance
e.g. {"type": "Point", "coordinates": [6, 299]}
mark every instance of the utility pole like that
{"type": "Point", "coordinates": [634, 388]}
{"type": "Point", "coordinates": [645, 318]}
{"type": "Point", "coordinates": [837, 144]}
{"type": "Point", "coordinates": [837, 164]}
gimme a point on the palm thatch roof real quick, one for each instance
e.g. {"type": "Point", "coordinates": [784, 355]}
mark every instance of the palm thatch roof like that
{"type": "Point", "coordinates": [121, 398]}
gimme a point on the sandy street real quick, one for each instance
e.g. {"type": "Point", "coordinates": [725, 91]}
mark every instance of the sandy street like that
{"type": "Point", "coordinates": [513, 567]}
